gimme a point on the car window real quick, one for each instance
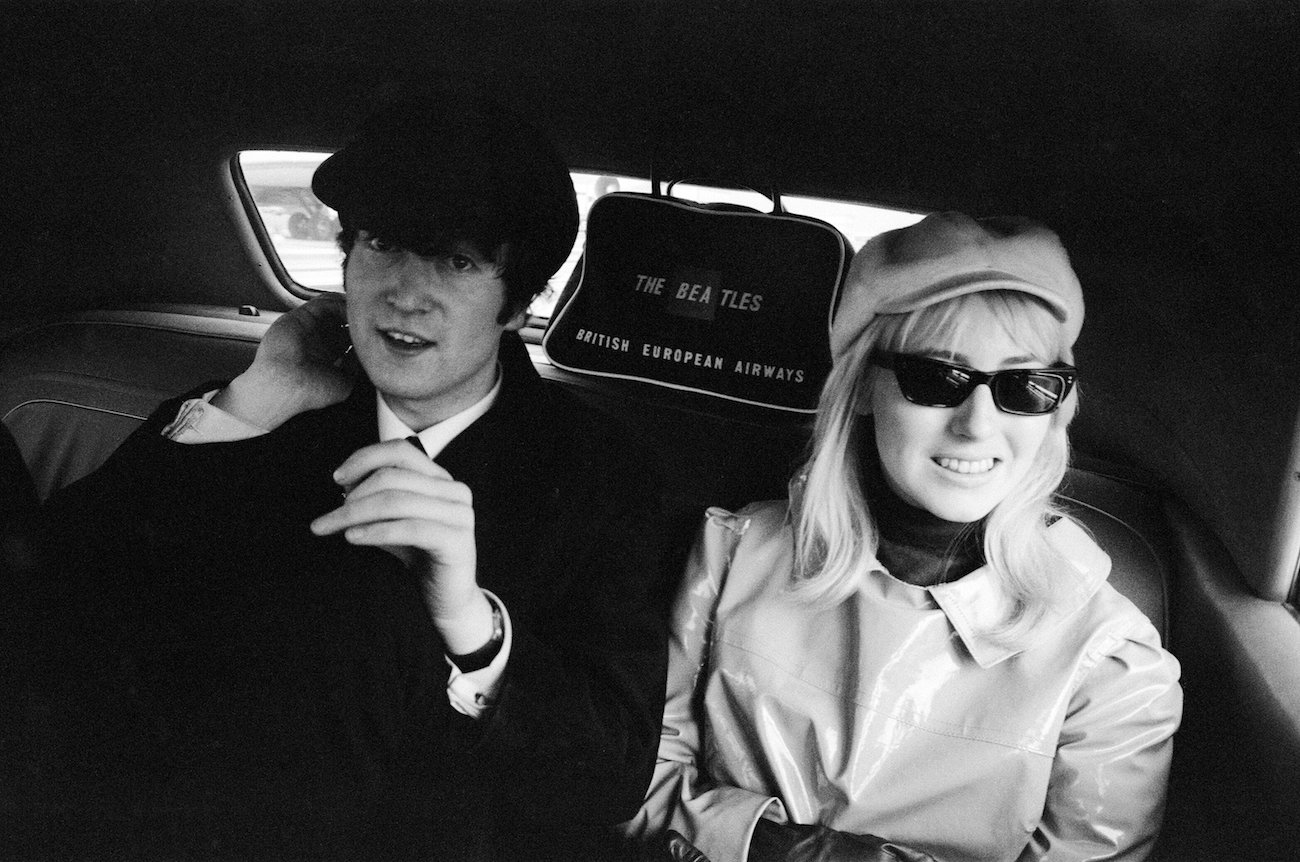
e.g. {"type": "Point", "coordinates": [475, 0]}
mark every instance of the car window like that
{"type": "Point", "coordinates": [302, 230]}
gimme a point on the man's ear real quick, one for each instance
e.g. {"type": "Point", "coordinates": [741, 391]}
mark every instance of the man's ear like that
{"type": "Point", "coordinates": [517, 320]}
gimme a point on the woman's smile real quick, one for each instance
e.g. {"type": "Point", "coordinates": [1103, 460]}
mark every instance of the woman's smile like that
{"type": "Point", "coordinates": [968, 467]}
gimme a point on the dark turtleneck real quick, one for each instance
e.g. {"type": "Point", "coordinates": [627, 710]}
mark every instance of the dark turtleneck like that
{"type": "Point", "coordinates": [916, 546]}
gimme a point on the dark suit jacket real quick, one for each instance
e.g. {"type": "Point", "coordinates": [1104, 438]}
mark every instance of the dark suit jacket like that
{"type": "Point", "coordinates": [17, 494]}
{"type": "Point", "coordinates": [17, 504]}
{"type": "Point", "coordinates": [241, 687]}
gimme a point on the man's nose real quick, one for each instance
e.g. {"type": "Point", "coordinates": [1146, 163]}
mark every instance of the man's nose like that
{"type": "Point", "coordinates": [975, 417]}
{"type": "Point", "coordinates": [408, 289]}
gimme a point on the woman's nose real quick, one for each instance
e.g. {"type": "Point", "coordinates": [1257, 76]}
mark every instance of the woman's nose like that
{"type": "Point", "coordinates": [975, 417]}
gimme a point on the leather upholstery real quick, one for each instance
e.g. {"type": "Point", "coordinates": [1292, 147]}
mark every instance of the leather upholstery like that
{"type": "Point", "coordinates": [72, 389]}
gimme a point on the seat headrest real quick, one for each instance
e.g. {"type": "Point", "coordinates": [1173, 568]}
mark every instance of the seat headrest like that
{"type": "Point", "coordinates": [731, 303]}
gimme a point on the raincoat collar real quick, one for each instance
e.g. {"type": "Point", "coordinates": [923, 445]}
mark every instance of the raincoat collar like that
{"type": "Point", "coordinates": [977, 602]}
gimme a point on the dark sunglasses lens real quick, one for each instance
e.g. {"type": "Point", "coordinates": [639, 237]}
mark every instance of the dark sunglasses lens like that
{"type": "Point", "coordinates": [1030, 392]}
{"type": "Point", "coordinates": [931, 383]}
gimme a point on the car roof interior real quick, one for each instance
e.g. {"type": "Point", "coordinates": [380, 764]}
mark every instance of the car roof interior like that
{"type": "Point", "coordinates": [1160, 140]}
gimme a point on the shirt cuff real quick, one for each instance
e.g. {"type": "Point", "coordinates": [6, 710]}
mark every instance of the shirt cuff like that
{"type": "Point", "coordinates": [475, 693]}
{"type": "Point", "coordinates": [198, 421]}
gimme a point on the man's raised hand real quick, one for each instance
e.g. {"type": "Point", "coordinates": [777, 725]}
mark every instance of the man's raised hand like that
{"type": "Point", "coordinates": [299, 366]}
{"type": "Point", "coordinates": [401, 501]}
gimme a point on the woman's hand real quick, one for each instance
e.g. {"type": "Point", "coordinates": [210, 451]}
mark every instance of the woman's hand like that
{"type": "Point", "coordinates": [792, 842]}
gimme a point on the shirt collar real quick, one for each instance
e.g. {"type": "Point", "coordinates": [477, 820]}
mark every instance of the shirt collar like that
{"type": "Point", "coordinates": [436, 437]}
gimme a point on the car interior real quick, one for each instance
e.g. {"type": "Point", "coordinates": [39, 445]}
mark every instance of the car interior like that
{"type": "Point", "coordinates": [149, 253]}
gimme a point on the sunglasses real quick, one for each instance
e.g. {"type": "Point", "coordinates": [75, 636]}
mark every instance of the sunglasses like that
{"type": "Point", "coordinates": [1019, 391]}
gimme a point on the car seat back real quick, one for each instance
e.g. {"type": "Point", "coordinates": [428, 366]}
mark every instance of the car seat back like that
{"type": "Point", "coordinates": [72, 389]}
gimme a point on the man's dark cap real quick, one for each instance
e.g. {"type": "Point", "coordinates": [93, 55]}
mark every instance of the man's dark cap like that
{"type": "Point", "coordinates": [455, 166]}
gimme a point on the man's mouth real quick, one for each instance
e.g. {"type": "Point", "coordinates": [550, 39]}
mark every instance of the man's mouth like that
{"type": "Point", "coordinates": [958, 465]}
{"type": "Point", "coordinates": [404, 340]}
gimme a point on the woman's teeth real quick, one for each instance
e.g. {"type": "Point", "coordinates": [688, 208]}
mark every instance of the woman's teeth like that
{"type": "Point", "coordinates": [981, 466]}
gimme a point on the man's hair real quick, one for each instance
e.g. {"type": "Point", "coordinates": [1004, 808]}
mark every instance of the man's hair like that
{"type": "Point", "coordinates": [523, 279]}
{"type": "Point", "coordinates": [425, 173]}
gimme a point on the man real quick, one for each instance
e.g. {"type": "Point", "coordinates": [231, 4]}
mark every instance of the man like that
{"type": "Point", "coordinates": [386, 599]}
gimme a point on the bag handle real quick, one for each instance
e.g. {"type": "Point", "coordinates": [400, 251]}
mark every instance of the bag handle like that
{"type": "Point", "coordinates": [657, 182]}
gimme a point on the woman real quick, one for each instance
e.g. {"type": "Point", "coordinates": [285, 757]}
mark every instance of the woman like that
{"type": "Point", "coordinates": [917, 645]}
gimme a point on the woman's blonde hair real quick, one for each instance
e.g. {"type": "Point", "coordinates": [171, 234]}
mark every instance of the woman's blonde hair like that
{"type": "Point", "coordinates": [835, 533]}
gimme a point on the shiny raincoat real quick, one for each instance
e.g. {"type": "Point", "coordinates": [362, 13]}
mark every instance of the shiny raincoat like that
{"type": "Point", "coordinates": [889, 714]}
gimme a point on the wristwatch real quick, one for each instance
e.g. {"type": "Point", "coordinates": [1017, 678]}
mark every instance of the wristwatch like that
{"type": "Point", "coordinates": [483, 656]}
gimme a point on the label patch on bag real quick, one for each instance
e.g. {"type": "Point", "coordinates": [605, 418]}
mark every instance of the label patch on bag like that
{"type": "Point", "coordinates": [731, 304]}
{"type": "Point", "coordinates": [694, 293]}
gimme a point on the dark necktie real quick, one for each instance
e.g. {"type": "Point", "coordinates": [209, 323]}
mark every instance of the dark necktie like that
{"type": "Point", "coordinates": [414, 440]}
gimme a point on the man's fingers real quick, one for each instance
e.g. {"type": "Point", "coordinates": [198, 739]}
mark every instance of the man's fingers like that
{"type": "Point", "coordinates": [392, 453]}
{"type": "Point", "coordinates": [323, 314]}
{"type": "Point", "coordinates": [395, 505]}
{"type": "Point", "coordinates": [328, 305]}
{"type": "Point", "coordinates": [401, 534]}
{"type": "Point", "coordinates": [402, 479]}
{"type": "Point", "coordinates": [324, 320]}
